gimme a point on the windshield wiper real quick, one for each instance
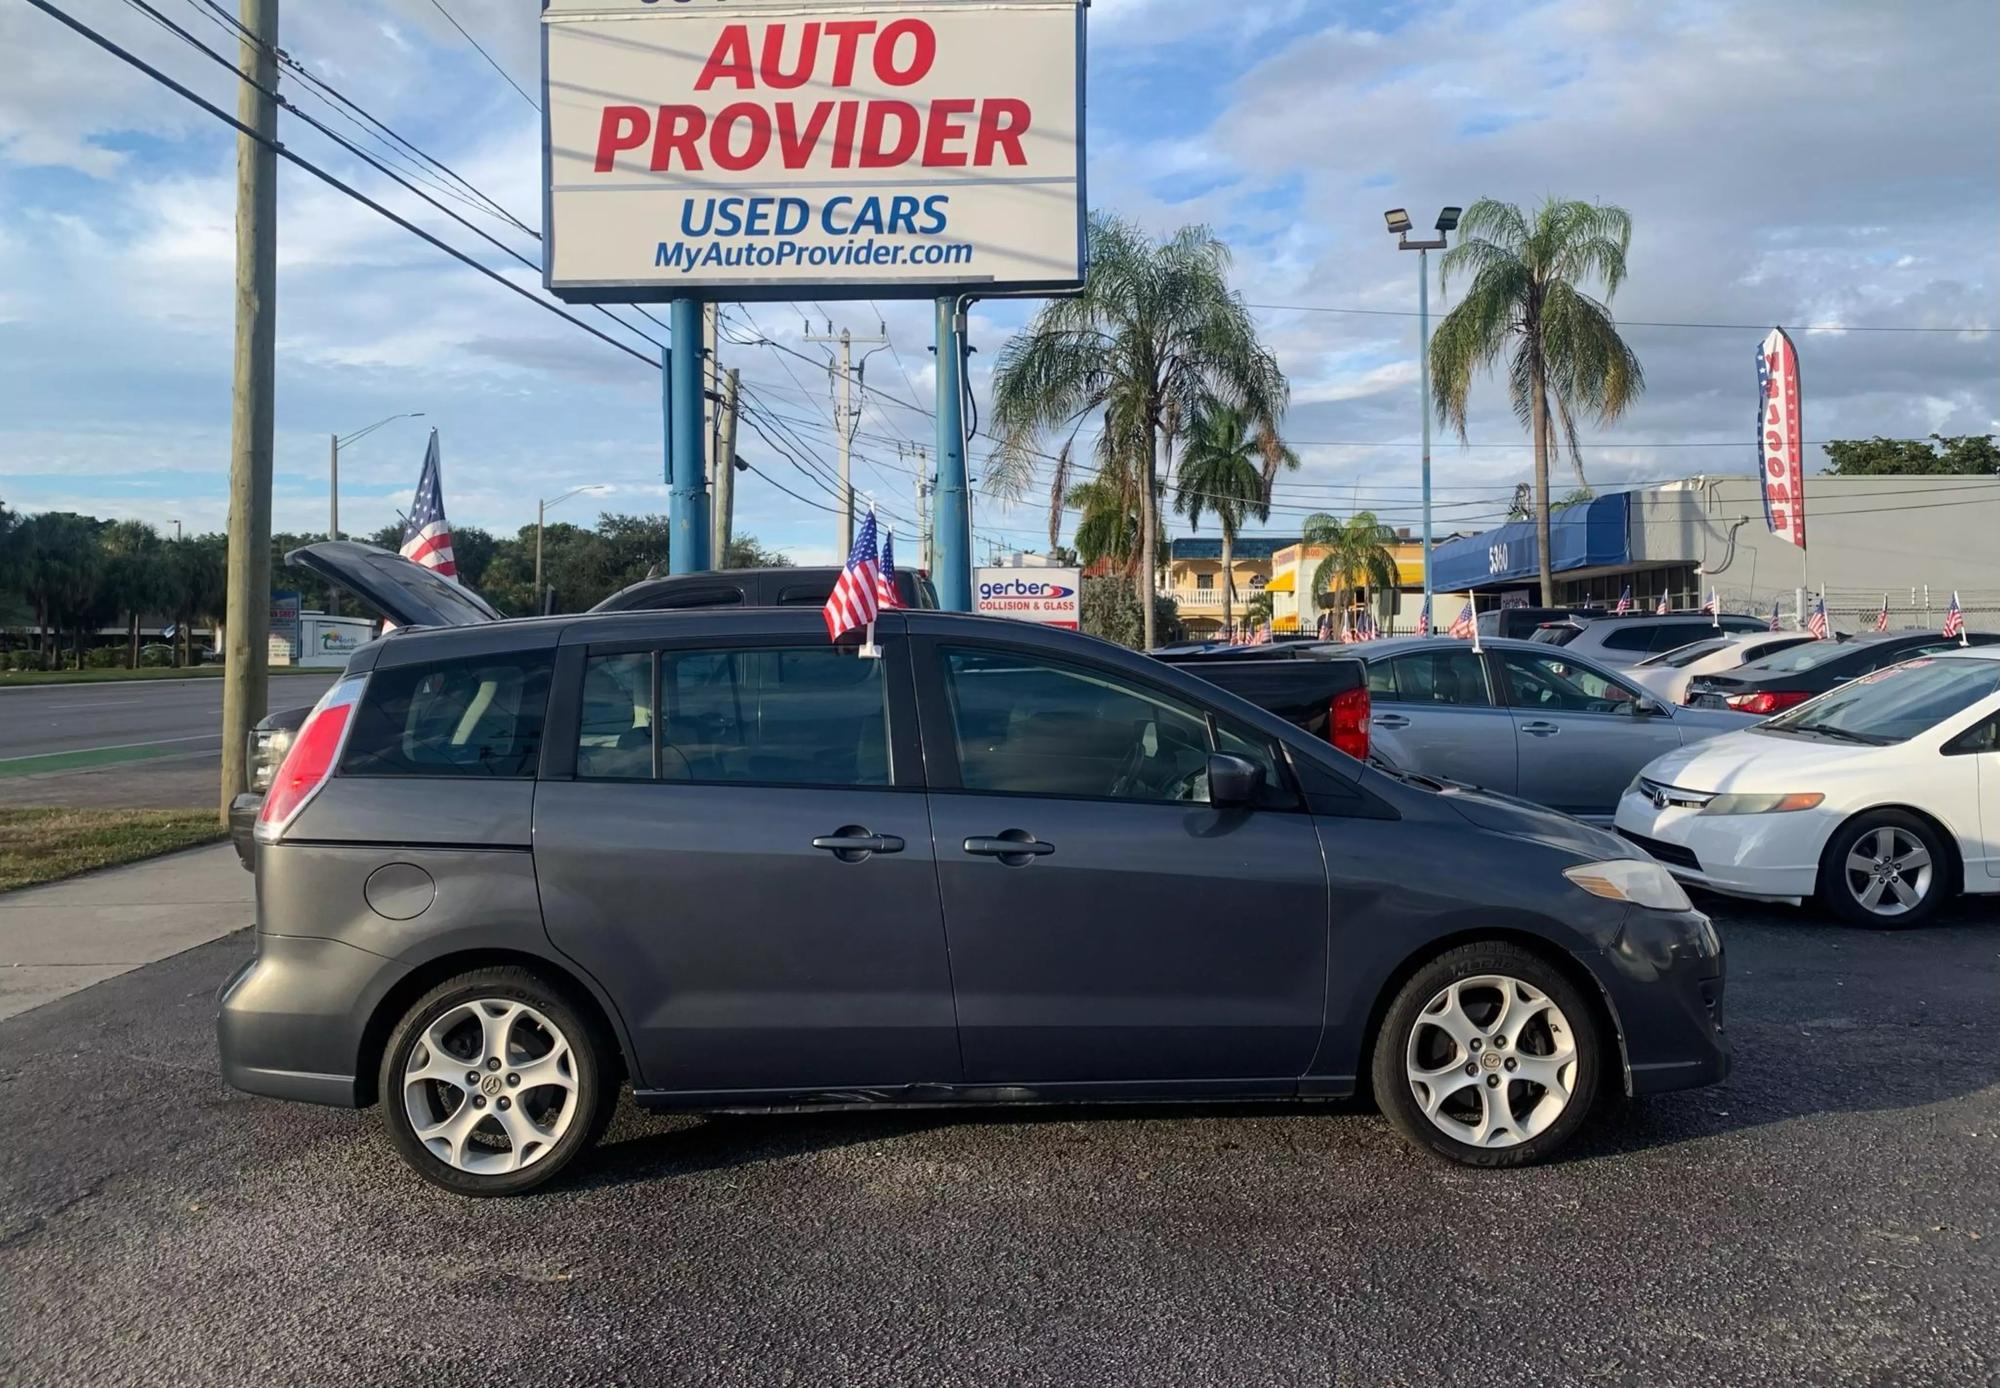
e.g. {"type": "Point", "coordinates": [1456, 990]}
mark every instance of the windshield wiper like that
{"type": "Point", "coordinates": [1843, 734]}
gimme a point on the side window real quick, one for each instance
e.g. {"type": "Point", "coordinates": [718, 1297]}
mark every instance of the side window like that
{"type": "Point", "coordinates": [1382, 682]}
{"type": "Point", "coordinates": [1454, 677]}
{"type": "Point", "coordinates": [698, 595]}
{"type": "Point", "coordinates": [1635, 638]}
{"type": "Point", "coordinates": [476, 717]}
{"type": "Point", "coordinates": [615, 729]}
{"type": "Point", "coordinates": [1560, 686]}
{"type": "Point", "coordinates": [1030, 727]}
{"type": "Point", "coordinates": [1278, 790]}
{"type": "Point", "coordinates": [1671, 636]}
{"type": "Point", "coordinates": [1983, 736]}
{"type": "Point", "coordinates": [804, 594]}
{"type": "Point", "coordinates": [814, 716]}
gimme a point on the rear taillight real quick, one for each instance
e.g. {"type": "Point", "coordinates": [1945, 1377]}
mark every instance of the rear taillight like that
{"type": "Point", "coordinates": [310, 759]}
{"type": "Point", "coordinates": [1766, 701]}
{"type": "Point", "coordinates": [1349, 723]}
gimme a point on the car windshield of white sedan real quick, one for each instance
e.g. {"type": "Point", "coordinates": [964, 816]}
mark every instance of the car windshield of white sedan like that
{"type": "Point", "coordinates": [1798, 658]}
{"type": "Point", "coordinates": [1686, 655]}
{"type": "Point", "coordinates": [1895, 704]}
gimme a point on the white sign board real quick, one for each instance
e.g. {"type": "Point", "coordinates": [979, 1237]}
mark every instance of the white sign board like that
{"type": "Point", "coordinates": [755, 148]}
{"type": "Point", "coordinates": [1053, 597]}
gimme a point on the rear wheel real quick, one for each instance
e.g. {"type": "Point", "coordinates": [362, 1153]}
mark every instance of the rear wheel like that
{"type": "Point", "coordinates": [1887, 869]}
{"type": "Point", "coordinates": [1488, 1056]}
{"type": "Point", "coordinates": [493, 1082]}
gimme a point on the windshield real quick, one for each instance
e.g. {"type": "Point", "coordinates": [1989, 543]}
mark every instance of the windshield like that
{"type": "Point", "coordinates": [1685, 655]}
{"type": "Point", "coordinates": [1791, 662]}
{"type": "Point", "coordinates": [1895, 704]}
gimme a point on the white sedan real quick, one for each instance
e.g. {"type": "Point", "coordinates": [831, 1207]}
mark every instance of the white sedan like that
{"type": "Point", "coordinates": [1669, 673]}
{"type": "Point", "coordinates": [1881, 797]}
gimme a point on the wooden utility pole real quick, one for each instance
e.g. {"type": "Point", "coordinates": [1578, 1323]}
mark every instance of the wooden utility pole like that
{"type": "Point", "coordinates": [252, 412]}
{"type": "Point", "coordinates": [845, 417]}
{"type": "Point", "coordinates": [725, 470]}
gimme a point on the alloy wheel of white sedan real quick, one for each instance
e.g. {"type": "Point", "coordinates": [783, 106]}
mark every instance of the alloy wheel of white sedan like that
{"type": "Point", "coordinates": [1889, 871]}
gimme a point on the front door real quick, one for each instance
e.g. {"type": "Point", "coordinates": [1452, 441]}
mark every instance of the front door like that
{"type": "Point", "coordinates": [743, 860]}
{"type": "Point", "coordinates": [1106, 924]}
{"type": "Point", "coordinates": [1579, 735]}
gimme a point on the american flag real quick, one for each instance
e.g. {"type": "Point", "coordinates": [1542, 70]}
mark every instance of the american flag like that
{"type": "Point", "coordinates": [856, 595]}
{"type": "Point", "coordinates": [1262, 635]}
{"type": "Point", "coordinates": [1663, 607]}
{"type": "Point", "coordinates": [1774, 616]}
{"type": "Point", "coordinates": [1954, 618]}
{"type": "Point", "coordinates": [885, 581]}
{"type": "Point", "coordinates": [1882, 617]}
{"type": "Point", "coordinates": [1424, 619]}
{"type": "Point", "coordinates": [1712, 604]}
{"type": "Point", "coordinates": [1326, 626]}
{"type": "Point", "coordinates": [1625, 601]}
{"type": "Point", "coordinates": [1467, 623]}
{"type": "Point", "coordinates": [426, 533]}
{"type": "Point", "coordinates": [1816, 624]}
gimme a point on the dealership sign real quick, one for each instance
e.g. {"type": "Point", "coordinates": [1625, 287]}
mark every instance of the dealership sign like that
{"type": "Point", "coordinates": [1780, 438]}
{"type": "Point", "coordinates": [1048, 596]}
{"type": "Point", "coordinates": [746, 148]}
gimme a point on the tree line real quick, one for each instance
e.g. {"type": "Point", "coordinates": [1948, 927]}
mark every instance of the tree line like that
{"type": "Point", "coordinates": [66, 578]}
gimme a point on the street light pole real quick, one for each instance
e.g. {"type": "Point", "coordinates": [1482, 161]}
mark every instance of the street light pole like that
{"type": "Point", "coordinates": [541, 511]}
{"type": "Point", "coordinates": [1399, 227]}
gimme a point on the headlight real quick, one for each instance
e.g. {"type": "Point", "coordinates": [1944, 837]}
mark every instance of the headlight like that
{"type": "Point", "coordinates": [1762, 804]}
{"type": "Point", "coordinates": [1640, 881]}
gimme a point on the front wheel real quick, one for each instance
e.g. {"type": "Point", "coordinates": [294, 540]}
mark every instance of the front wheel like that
{"type": "Point", "coordinates": [493, 1082]}
{"type": "Point", "coordinates": [1488, 1056]}
{"type": "Point", "coordinates": [1886, 869]}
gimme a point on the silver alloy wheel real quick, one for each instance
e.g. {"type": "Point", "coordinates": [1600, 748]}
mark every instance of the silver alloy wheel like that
{"type": "Point", "coordinates": [490, 1086]}
{"type": "Point", "coordinates": [1889, 871]}
{"type": "Point", "coordinates": [1492, 1061]}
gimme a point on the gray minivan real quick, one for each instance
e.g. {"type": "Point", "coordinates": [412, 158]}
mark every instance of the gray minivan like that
{"type": "Point", "coordinates": [507, 867]}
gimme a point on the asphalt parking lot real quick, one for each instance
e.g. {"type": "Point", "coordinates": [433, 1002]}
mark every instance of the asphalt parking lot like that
{"type": "Point", "coordinates": [1831, 1216]}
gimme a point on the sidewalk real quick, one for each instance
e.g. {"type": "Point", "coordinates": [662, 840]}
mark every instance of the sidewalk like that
{"type": "Point", "coordinates": [68, 935]}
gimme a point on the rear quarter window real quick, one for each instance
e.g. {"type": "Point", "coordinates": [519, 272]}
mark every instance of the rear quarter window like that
{"type": "Point", "coordinates": [479, 717]}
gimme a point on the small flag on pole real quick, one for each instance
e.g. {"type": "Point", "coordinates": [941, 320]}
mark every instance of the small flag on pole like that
{"type": "Point", "coordinates": [1424, 619]}
{"type": "Point", "coordinates": [1954, 620]}
{"type": "Point", "coordinates": [855, 599]}
{"type": "Point", "coordinates": [426, 534]}
{"type": "Point", "coordinates": [1663, 607]}
{"type": "Point", "coordinates": [885, 581]}
{"type": "Point", "coordinates": [1713, 607]}
{"type": "Point", "coordinates": [1467, 623]}
{"type": "Point", "coordinates": [1817, 623]}
{"type": "Point", "coordinates": [1882, 617]}
{"type": "Point", "coordinates": [1625, 601]}
{"type": "Point", "coordinates": [1774, 616]}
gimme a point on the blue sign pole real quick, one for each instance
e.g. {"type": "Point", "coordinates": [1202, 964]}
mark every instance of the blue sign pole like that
{"type": "Point", "coordinates": [954, 510]}
{"type": "Point", "coordinates": [687, 497]}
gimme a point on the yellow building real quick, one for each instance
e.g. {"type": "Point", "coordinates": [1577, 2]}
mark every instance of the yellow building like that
{"type": "Point", "coordinates": [1194, 576]}
{"type": "Point", "coordinates": [1295, 608]}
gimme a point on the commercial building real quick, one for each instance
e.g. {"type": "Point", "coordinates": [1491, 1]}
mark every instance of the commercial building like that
{"type": "Point", "coordinates": [1194, 575]}
{"type": "Point", "coordinates": [1913, 539]}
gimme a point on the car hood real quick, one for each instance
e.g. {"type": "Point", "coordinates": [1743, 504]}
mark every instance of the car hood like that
{"type": "Point", "coordinates": [1756, 762]}
{"type": "Point", "coordinates": [1503, 814]}
{"type": "Point", "coordinates": [402, 590]}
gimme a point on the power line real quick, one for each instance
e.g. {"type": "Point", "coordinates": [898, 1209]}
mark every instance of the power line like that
{"type": "Point", "coordinates": [278, 148]}
{"type": "Point", "coordinates": [490, 60]}
{"type": "Point", "coordinates": [1647, 322]}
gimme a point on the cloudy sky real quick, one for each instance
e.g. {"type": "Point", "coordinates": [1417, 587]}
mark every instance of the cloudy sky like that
{"type": "Point", "coordinates": [1811, 163]}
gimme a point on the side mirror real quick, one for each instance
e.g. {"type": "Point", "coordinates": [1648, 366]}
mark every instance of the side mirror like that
{"type": "Point", "coordinates": [1233, 781]}
{"type": "Point", "coordinates": [1649, 708]}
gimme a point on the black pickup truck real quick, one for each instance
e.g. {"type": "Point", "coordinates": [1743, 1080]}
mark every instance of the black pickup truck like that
{"type": "Point", "coordinates": [1325, 695]}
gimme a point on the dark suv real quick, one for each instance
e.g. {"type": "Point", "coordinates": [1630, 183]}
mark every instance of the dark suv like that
{"type": "Point", "coordinates": [507, 867]}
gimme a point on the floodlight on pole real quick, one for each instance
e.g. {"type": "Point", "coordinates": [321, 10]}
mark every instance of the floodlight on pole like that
{"type": "Point", "coordinates": [1399, 227]}
{"type": "Point", "coordinates": [1398, 220]}
{"type": "Point", "coordinates": [1448, 219]}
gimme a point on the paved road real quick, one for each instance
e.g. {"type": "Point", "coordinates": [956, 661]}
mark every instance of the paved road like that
{"type": "Point", "coordinates": [141, 745]}
{"type": "Point", "coordinates": [1831, 1216]}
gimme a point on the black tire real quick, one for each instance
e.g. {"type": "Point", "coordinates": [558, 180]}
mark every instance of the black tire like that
{"type": "Point", "coordinates": [1842, 893]}
{"type": "Point", "coordinates": [1395, 1092]}
{"type": "Point", "coordinates": [592, 1067]}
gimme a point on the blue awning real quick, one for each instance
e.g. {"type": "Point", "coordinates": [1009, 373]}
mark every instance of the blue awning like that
{"type": "Point", "coordinates": [1593, 534]}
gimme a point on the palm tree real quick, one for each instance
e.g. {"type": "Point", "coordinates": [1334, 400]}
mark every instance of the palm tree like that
{"type": "Point", "coordinates": [1357, 556]}
{"type": "Point", "coordinates": [1221, 472]}
{"type": "Point", "coordinates": [135, 577]}
{"type": "Point", "coordinates": [1527, 290]}
{"type": "Point", "coordinates": [1154, 335]}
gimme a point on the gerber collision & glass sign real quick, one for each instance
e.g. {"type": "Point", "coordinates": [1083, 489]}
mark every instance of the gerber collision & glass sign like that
{"type": "Point", "coordinates": [732, 148]}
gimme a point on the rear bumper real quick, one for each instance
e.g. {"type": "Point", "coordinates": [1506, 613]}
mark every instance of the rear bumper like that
{"type": "Point", "coordinates": [289, 1023]}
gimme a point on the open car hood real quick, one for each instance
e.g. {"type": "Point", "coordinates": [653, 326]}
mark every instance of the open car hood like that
{"type": "Point", "coordinates": [402, 590]}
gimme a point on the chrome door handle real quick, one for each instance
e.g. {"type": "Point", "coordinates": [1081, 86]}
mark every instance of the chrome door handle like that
{"type": "Point", "coordinates": [1540, 729]}
{"type": "Point", "coordinates": [851, 843]}
{"type": "Point", "coordinates": [1014, 847]}
{"type": "Point", "coordinates": [1392, 720]}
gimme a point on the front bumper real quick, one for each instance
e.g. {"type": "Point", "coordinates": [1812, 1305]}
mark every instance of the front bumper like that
{"type": "Point", "coordinates": [290, 1022]}
{"type": "Point", "coordinates": [1665, 979]}
{"type": "Point", "coordinates": [1768, 857]}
